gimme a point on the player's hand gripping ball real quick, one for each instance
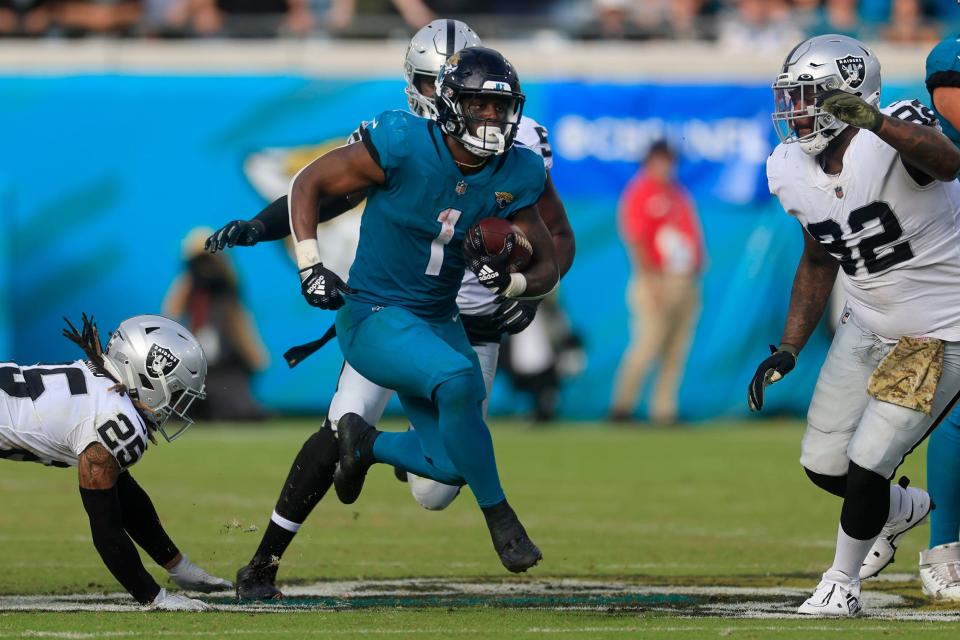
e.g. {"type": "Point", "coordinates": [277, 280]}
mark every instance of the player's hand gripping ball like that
{"type": "Point", "coordinates": [493, 249]}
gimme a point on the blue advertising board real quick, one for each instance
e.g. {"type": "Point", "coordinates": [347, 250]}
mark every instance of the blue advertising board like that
{"type": "Point", "coordinates": [104, 175]}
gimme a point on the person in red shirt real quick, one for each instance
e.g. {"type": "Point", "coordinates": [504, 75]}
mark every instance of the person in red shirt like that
{"type": "Point", "coordinates": [660, 228]}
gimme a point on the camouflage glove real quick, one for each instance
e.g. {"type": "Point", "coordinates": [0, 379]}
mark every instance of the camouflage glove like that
{"type": "Point", "coordinates": [780, 363]}
{"type": "Point", "coordinates": [851, 109]}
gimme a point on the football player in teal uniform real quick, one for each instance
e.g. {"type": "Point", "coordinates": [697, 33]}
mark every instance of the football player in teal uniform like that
{"type": "Point", "coordinates": [940, 564]}
{"type": "Point", "coordinates": [428, 182]}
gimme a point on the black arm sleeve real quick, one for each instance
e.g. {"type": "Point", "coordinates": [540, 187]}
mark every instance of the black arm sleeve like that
{"type": "Point", "coordinates": [141, 521]}
{"type": "Point", "coordinates": [275, 217]}
{"type": "Point", "coordinates": [943, 79]}
{"type": "Point", "coordinates": [114, 546]}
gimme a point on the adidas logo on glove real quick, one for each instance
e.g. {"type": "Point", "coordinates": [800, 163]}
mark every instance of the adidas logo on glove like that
{"type": "Point", "coordinates": [486, 273]}
{"type": "Point", "coordinates": [318, 287]}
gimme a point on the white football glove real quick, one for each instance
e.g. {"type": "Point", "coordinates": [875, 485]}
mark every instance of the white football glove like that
{"type": "Point", "coordinates": [176, 602]}
{"type": "Point", "coordinates": [189, 576]}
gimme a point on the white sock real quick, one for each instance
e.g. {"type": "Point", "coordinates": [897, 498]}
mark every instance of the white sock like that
{"type": "Point", "coordinates": [283, 523]}
{"type": "Point", "coordinates": [898, 502]}
{"type": "Point", "coordinates": [850, 553]}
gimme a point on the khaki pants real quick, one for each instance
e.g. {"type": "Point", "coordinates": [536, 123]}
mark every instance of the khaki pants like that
{"type": "Point", "coordinates": [664, 309]}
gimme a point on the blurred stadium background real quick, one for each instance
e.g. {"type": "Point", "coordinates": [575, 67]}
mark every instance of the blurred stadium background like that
{"type": "Point", "coordinates": [127, 124]}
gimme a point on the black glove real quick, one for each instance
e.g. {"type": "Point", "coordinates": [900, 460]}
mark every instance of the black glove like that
{"type": "Point", "coordinates": [770, 370]}
{"type": "Point", "coordinates": [513, 316]}
{"type": "Point", "coordinates": [244, 233]}
{"type": "Point", "coordinates": [493, 272]}
{"type": "Point", "coordinates": [322, 287]}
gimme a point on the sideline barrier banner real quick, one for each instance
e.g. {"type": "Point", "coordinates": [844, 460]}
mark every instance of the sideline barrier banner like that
{"type": "Point", "coordinates": [110, 172]}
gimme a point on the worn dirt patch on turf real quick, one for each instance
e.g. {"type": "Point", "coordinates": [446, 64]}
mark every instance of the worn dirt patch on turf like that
{"type": "Point", "coordinates": [886, 599]}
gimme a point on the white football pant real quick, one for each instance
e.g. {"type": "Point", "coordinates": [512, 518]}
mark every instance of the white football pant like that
{"type": "Point", "coordinates": [844, 423]}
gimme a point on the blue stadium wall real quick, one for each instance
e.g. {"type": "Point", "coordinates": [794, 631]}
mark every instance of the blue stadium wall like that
{"type": "Point", "coordinates": [102, 176]}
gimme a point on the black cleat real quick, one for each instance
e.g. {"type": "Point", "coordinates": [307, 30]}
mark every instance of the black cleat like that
{"type": "Point", "coordinates": [356, 455]}
{"type": "Point", "coordinates": [510, 540]}
{"type": "Point", "coordinates": [257, 581]}
{"type": "Point", "coordinates": [399, 474]}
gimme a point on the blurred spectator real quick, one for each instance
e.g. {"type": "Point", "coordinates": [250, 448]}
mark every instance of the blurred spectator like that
{"type": "Point", "coordinates": [613, 20]}
{"type": "Point", "coordinates": [207, 300]}
{"type": "Point", "coordinates": [660, 228]}
{"type": "Point", "coordinates": [248, 18]}
{"type": "Point", "coordinates": [758, 26]}
{"type": "Point", "coordinates": [807, 14]}
{"type": "Point", "coordinates": [839, 16]}
{"type": "Point", "coordinates": [24, 17]}
{"type": "Point", "coordinates": [101, 17]}
{"type": "Point", "coordinates": [908, 25]}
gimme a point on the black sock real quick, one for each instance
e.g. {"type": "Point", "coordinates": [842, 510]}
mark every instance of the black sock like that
{"type": "Point", "coordinates": [866, 504]}
{"type": "Point", "coordinates": [274, 543]}
{"type": "Point", "coordinates": [308, 481]}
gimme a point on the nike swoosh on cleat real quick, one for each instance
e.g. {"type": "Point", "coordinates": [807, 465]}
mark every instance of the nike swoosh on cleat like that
{"type": "Point", "coordinates": [910, 517]}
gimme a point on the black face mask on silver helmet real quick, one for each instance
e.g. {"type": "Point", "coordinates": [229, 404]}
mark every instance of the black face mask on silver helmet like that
{"type": "Point", "coordinates": [162, 365]}
{"type": "Point", "coordinates": [812, 67]}
{"type": "Point", "coordinates": [428, 50]}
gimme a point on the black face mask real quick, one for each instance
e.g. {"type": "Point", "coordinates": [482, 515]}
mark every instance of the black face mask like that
{"type": "Point", "coordinates": [209, 273]}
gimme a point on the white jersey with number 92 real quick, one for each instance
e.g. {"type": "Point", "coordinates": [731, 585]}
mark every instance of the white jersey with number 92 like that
{"type": "Point", "coordinates": [897, 242]}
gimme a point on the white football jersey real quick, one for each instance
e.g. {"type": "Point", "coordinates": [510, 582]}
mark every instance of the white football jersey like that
{"type": "Point", "coordinates": [474, 299]}
{"type": "Point", "coordinates": [897, 242]}
{"type": "Point", "coordinates": [51, 413]}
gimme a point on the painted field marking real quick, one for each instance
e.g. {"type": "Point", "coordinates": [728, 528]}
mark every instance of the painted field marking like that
{"type": "Point", "coordinates": [563, 594]}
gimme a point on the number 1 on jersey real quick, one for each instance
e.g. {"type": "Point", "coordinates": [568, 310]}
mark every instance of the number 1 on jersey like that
{"type": "Point", "coordinates": [448, 220]}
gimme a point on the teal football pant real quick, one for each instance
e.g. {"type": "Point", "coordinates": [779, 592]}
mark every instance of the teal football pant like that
{"type": "Point", "coordinates": [437, 377]}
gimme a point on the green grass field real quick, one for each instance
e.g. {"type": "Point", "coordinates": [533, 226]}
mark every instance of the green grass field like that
{"type": "Point", "coordinates": [668, 517]}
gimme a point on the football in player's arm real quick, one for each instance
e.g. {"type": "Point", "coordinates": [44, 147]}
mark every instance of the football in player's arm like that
{"type": "Point", "coordinates": [98, 415]}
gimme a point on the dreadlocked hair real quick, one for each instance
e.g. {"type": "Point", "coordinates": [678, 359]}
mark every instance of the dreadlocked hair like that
{"type": "Point", "coordinates": [88, 339]}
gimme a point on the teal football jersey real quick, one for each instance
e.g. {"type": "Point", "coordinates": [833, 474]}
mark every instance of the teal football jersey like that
{"type": "Point", "coordinates": [943, 70]}
{"type": "Point", "coordinates": [411, 234]}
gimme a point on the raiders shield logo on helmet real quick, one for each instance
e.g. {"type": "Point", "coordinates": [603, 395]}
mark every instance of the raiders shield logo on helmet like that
{"type": "Point", "coordinates": [160, 361]}
{"type": "Point", "coordinates": [852, 70]}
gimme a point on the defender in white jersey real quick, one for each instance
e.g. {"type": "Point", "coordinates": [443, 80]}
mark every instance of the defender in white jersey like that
{"type": "Point", "coordinates": [484, 318]}
{"type": "Point", "coordinates": [875, 195]}
{"type": "Point", "coordinates": [99, 415]}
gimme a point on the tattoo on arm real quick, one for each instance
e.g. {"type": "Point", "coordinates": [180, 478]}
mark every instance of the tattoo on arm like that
{"type": "Point", "coordinates": [812, 285]}
{"type": "Point", "coordinates": [97, 468]}
{"type": "Point", "coordinates": [923, 148]}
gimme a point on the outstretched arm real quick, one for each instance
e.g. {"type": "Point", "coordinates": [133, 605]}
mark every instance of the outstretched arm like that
{"type": "Point", "coordinates": [98, 473]}
{"type": "Point", "coordinates": [141, 521]}
{"type": "Point", "coordinates": [273, 222]}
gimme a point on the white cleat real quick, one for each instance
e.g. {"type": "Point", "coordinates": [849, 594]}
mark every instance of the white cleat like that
{"type": "Point", "coordinates": [837, 596]}
{"type": "Point", "coordinates": [881, 553]}
{"type": "Point", "coordinates": [940, 572]}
